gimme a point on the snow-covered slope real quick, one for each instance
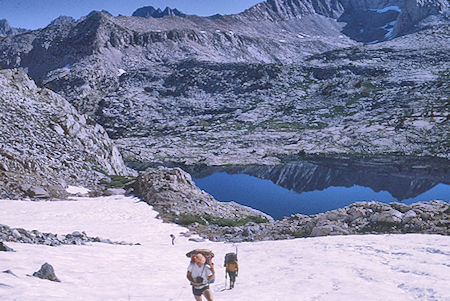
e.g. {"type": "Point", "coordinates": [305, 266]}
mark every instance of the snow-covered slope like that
{"type": "Point", "coordinates": [385, 267]}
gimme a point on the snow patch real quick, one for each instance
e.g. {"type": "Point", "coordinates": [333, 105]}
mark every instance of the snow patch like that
{"type": "Point", "coordinates": [121, 71]}
{"type": "Point", "coordinates": [387, 8]}
{"type": "Point", "coordinates": [422, 124]}
{"type": "Point", "coordinates": [76, 190]}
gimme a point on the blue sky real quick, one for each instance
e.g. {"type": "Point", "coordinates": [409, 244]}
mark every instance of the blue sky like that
{"type": "Point", "coordinates": [33, 14]}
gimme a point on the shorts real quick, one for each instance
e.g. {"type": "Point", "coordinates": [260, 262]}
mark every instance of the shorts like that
{"type": "Point", "coordinates": [199, 291]}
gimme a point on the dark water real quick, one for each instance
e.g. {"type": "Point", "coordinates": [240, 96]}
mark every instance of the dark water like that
{"type": "Point", "coordinates": [315, 187]}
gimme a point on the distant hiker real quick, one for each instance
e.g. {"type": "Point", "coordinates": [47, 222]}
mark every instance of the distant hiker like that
{"type": "Point", "coordinates": [231, 267]}
{"type": "Point", "coordinates": [199, 273]}
{"type": "Point", "coordinates": [173, 239]}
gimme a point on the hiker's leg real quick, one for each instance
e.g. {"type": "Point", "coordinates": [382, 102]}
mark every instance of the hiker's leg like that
{"type": "Point", "coordinates": [197, 294]}
{"type": "Point", "coordinates": [232, 279]}
{"type": "Point", "coordinates": [208, 295]}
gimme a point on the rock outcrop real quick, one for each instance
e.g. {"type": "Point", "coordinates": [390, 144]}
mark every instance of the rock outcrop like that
{"type": "Point", "coordinates": [50, 239]}
{"type": "Point", "coordinates": [174, 195]}
{"type": "Point", "coordinates": [46, 144]}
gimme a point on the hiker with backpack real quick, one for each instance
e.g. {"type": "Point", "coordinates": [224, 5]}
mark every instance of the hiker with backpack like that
{"type": "Point", "coordinates": [200, 274]}
{"type": "Point", "coordinates": [231, 268]}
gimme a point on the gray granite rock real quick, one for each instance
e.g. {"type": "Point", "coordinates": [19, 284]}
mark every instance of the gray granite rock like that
{"type": "Point", "coordinates": [5, 248]}
{"type": "Point", "coordinates": [174, 195]}
{"type": "Point", "coordinates": [46, 144]}
{"type": "Point", "coordinates": [46, 272]}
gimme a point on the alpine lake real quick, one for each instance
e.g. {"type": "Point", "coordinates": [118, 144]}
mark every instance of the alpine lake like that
{"type": "Point", "coordinates": [315, 185]}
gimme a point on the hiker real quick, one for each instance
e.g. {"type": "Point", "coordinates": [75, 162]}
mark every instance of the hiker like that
{"type": "Point", "coordinates": [231, 267]}
{"type": "Point", "coordinates": [173, 239]}
{"type": "Point", "coordinates": [199, 273]}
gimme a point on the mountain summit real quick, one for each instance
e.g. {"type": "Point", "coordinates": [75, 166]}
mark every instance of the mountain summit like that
{"type": "Point", "coordinates": [150, 11]}
{"type": "Point", "coordinates": [6, 29]}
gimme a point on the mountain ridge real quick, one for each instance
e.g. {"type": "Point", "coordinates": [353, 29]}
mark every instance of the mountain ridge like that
{"type": "Point", "coordinates": [150, 11]}
{"type": "Point", "coordinates": [222, 83]}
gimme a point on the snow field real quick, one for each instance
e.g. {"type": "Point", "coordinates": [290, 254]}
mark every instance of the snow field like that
{"type": "Point", "coordinates": [382, 267]}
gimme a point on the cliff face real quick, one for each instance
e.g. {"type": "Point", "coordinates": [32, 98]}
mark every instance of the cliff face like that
{"type": "Point", "coordinates": [46, 143]}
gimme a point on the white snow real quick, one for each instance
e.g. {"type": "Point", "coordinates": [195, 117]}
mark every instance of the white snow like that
{"type": "Point", "coordinates": [121, 71]}
{"type": "Point", "coordinates": [390, 28]}
{"type": "Point", "coordinates": [423, 124]}
{"type": "Point", "coordinates": [76, 189]}
{"type": "Point", "coordinates": [383, 267]}
{"type": "Point", "coordinates": [387, 8]}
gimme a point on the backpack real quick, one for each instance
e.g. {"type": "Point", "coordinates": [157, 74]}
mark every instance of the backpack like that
{"type": "Point", "coordinates": [230, 258]}
{"type": "Point", "coordinates": [208, 255]}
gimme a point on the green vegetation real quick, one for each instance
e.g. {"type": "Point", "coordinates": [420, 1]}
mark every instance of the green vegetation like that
{"type": "Point", "coordinates": [368, 88]}
{"type": "Point", "coordinates": [119, 181]}
{"type": "Point", "coordinates": [189, 219]}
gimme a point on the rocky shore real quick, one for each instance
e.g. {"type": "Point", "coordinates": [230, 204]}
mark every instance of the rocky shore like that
{"type": "Point", "coordinates": [359, 218]}
{"type": "Point", "coordinates": [174, 195]}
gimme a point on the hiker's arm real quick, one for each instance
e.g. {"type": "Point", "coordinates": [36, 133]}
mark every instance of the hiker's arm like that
{"type": "Point", "coordinates": [189, 277]}
{"type": "Point", "coordinates": [212, 273]}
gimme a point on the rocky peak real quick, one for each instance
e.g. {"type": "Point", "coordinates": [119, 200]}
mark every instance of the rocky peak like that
{"type": "Point", "coordinates": [150, 11]}
{"type": "Point", "coordinates": [62, 20]}
{"type": "Point", "coordinates": [6, 29]}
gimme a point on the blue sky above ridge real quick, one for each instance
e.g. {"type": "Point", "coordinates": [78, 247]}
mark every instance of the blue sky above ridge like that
{"type": "Point", "coordinates": [32, 14]}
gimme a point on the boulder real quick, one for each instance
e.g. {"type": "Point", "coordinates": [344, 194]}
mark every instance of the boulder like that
{"type": "Point", "coordinates": [5, 248]}
{"type": "Point", "coordinates": [390, 217]}
{"type": "Point", "coordinates": [322, 230]}
{"type": "Point", "coordinates": [408, 216]}
{"type": "Point", "coordinates": [46, 272]}
{"type": "Point", "coordinates": [400, 207]}
{"type": "Point", "coordinates": [37, 192]}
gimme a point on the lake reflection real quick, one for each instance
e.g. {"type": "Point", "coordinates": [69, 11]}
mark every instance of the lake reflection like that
{"type": "Point", "coordinates": [315, 187]}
